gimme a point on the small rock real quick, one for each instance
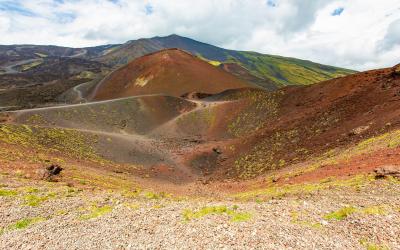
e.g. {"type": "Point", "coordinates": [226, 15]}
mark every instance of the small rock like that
{"type": "Point", "coordinates": [324, 222]}
{"type": "Point", "coordinates": [217, 150]}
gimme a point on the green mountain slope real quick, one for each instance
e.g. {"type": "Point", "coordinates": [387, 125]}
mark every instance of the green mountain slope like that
{"type": "Point", "coordinates": [287, 71]}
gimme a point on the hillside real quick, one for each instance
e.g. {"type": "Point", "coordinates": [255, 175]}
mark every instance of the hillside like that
{"type": "Point", "coordinates": [267, 71]}
{"type": "Point", "coordinates": [245, 133]}
{"type": "Point", "coordinates": [244, 167]}
{"type": "Point", "coordinates": [41, 81]}
{"type": "Point", "coordinates": [280, 70]}
{"type": "Point", "coordinates": [171, 72]}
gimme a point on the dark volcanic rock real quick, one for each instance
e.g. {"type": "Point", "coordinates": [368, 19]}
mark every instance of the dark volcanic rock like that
{"type": "Point", "coordinates": [50, 172]}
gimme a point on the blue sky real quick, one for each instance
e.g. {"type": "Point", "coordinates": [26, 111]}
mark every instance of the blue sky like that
{"type": "Point", "coordinates": [358, 34]}
{"type": "Point", "coordinates": [338, 11]}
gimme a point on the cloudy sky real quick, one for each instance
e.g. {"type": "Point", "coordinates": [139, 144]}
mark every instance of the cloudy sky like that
{"type": "Point", "coordinates": [357, 34]}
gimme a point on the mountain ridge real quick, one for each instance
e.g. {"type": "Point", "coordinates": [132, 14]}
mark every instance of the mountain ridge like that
{"type": "Point", "coordinates": [274, 71]}
{"type": "Point", "coordinates": [272, 68]}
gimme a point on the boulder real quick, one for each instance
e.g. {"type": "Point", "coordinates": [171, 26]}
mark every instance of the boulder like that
{"type": "Point", "coordinates": [396, 70]}
{"type": "Point", "coordinates": [388, 170]}
{"type": "Point", "coordinates": [49, 172]}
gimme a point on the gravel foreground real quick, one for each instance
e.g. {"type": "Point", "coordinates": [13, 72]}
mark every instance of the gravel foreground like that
{"type": "Point", "coordinates": [50, 216]}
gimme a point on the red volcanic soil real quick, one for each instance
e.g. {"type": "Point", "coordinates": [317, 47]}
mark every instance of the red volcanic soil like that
{"type": "Point", "coordinates": [244, 133]}
{"type": "Point", "coordinates": [305, 123]}
{"type": "Point", "coordinates": [172, 72]}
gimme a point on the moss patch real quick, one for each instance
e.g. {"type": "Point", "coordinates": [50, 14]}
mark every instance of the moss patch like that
{"type": "Point", "coordinates": [4, 192]}
{"type": "Point", "coordinates": [24, 223]}
{"type": "Point", "coordinates": [340, 214]}
{"type": "Point", "coordinates": [96, 211]}
{"type": "Point", "coordinates": [217, 210]}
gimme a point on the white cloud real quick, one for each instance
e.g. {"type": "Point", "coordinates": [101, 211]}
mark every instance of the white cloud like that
{"type": "Point", "coordinates": [392, 37]}
{"type": "Point", "coordinates": [365, 35]}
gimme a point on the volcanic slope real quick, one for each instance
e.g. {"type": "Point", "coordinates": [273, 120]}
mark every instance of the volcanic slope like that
{"type": "Point", "coordinates": [278, 70]}
{"type": "Point", "coordinates": [40, 82]}
{"type": "Point", "coordinates": [246, 133]}
{"type": "Point", "coordinates": [171, 72]}
{"type": "Point", "coordinates": [112, 130]}
{"type": "Point", "coordinates": [133, 169]}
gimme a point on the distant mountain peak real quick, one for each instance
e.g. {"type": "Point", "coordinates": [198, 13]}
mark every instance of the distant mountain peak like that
{"type": "Point", "coordinates": [272, 70]}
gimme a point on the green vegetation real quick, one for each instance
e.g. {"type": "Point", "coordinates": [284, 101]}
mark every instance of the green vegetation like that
{"type": "Point", "coordinates": [51, 140]}
{"type": "Point", "coordinates": [275, 191]}
{"type": "Point", "coordinates": [217, 210]}
{"type": "Point", "coordinates": [33, 200]}
{"type": "Point", "coordinates": [372, 246]}
{"type": "Point", "coordinates": [287, 71]}
{"type": "Point", "coordinates": [212, 62]}
{"type": "Point", "coordinates": [96, 211]}
{"type": "Point", "coordinates": [4, 192]}
{"type": "Point", "coordinates": [31, 65]}
{"type": "Point", "coordinates": [346, 211]}
{"type": "Point", "coordinates": [41, 55]}
{"type": "Point", "coordinates": [265, 155]}
{"type": "Point", "coordinates": [390, 140]}
{"type": "Point", "coordinates": [262, 106]}
{"type": "Point", "coordinates": [132, 206]}
{"type": "Point", "coordinates": [154, 196]}
{"type": "Point", "coordinates": [341, 214]}
{"type": "Point", "coordinates": [86, 75]}
{"type": "Point", "coordinates": [105, 181]}
{"type": "Point", "coordinates": [334, 156]}
{"type": "Point", "coordinates": [374, 210]}
{"type": "Point", "coordinates": [198, 120]}
{"type": "Point", "coordinates": [24, 223]}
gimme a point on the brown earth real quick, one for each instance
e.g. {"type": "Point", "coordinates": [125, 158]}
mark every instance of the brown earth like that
{"type": "Point", "coordinates": [171, 72]}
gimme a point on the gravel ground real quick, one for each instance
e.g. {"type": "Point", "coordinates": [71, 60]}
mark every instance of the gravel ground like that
{"type": "Point", "coordinates": [68, 218]}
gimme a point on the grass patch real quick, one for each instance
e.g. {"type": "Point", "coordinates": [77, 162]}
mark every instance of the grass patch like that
{"type": "Point", "coordinates": [31, 65]}
{"type": "Point", "coordinates": [24, 223]}
{"type": "Point", "coordinates": [96, 211]}
{"type": "Point", "coordinates": [340, 214]}
{"type": "Point", "coordinates": [34, 200]}
{"type": "Point", "coordinates": [132, 206]}
{"type": "Point", "coordinates": [217, 210]}
{"type": "Point", "coordinates": [374, 210]}
{"type": "Point", "coordinates": [343, 213]}
{"type": "Point", "coordinates": [155, 196]}
{"type": "Point", "coordinates": [372, 246]}
{"type": "Point", "coordinates": [4, 192]}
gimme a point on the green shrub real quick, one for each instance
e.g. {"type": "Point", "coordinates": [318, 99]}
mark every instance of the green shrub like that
{"type": "Point", "coordinates": [341, 214]}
